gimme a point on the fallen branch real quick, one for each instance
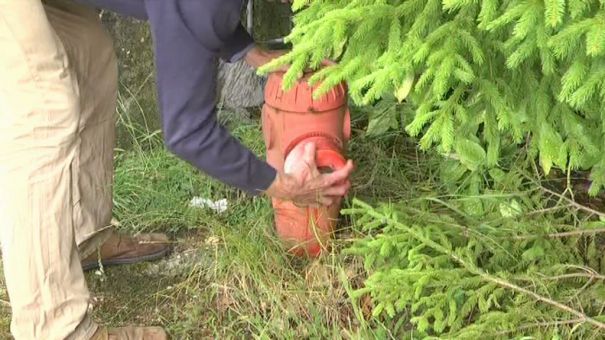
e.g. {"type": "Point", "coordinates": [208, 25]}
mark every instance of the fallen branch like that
{"type": "Point", "coordinates": [565, 276]}
{"type": "Point", "coordinates": [573, 203]}
{"type": "Point", "coordinates": [542, 324]}
{"type": "Point", "coordinates": [549, 301]}
{"type": "Point", "coordinates": [562, 234]}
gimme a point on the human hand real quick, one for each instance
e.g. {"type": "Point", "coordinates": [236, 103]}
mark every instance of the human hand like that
{"type": "Point", "coordinates": [304, 185]}
{"type": "Point", "coordinates": [257, 57]}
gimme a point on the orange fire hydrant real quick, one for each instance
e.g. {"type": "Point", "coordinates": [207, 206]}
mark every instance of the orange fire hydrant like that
{"type": "Point", "coordinates": [291, 119]}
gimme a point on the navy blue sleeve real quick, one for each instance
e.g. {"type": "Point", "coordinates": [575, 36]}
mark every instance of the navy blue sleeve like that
{"type": "Point", "coordinates": [188, 37]}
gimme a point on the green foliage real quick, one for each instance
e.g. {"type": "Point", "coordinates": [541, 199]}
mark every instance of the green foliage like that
{"type": "Point", "coordinates": [509, 274]}
{"type": "Point", "coordinates": [487, 254]}
{"type": "Point", "coordinates": [486, 74]}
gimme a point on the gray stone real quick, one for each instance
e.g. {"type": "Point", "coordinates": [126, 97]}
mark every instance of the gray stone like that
{"type": "Point", "coordinates": [239, 90]}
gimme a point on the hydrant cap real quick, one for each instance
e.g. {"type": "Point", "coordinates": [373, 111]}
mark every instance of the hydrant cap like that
{"type": "Point", "coordinates": [300, 97]}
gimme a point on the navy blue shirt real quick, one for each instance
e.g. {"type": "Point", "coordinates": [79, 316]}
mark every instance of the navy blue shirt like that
{"type": "Point", "coordinates": [188, 37]}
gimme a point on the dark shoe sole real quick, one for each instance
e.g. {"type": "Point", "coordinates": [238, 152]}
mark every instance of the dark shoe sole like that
{"type": "Point", "coordinates": [86, 266]}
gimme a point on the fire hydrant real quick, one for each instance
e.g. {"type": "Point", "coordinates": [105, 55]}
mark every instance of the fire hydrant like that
{"type": "Point", "coordinates": [291, 119]}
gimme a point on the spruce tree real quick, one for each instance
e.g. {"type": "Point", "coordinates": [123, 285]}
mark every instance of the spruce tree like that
{"type": "Point", "coordinates": [475, 74]}
{"type": "Point", "coordinates": [474, 80]}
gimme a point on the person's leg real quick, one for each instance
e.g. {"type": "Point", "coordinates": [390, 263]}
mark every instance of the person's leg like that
{"type": "Point", "coordinates": [93, 62]}
{"type": "Point", "coordinates": [39, 115]}
{"type": "Point", "coordinates": [90, 51]}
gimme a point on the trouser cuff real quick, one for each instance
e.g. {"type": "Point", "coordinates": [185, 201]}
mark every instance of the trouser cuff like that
{"type": "Point", "coordinates": [94, 241]}
{"type": "Point", "coordinates": [85, 330]}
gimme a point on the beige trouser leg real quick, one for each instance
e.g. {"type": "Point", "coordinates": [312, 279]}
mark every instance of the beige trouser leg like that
{"type": "Point", "coordinates": [92, 59]}
{"type": "Point", "coordinates": [57, 91]}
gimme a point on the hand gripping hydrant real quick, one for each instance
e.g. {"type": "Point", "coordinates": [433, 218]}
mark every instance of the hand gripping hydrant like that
{"type": "Point", "coordinates": [290, 119]}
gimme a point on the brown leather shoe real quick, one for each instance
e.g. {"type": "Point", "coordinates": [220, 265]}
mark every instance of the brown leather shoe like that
{"type": "Point", "coordinates": [123, 249]}
{"type": "Point", "coordinates": [130, 333]}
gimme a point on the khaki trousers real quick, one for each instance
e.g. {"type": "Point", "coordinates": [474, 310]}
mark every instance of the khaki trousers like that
{"type": "Point", "coordinates": [58, 84]}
